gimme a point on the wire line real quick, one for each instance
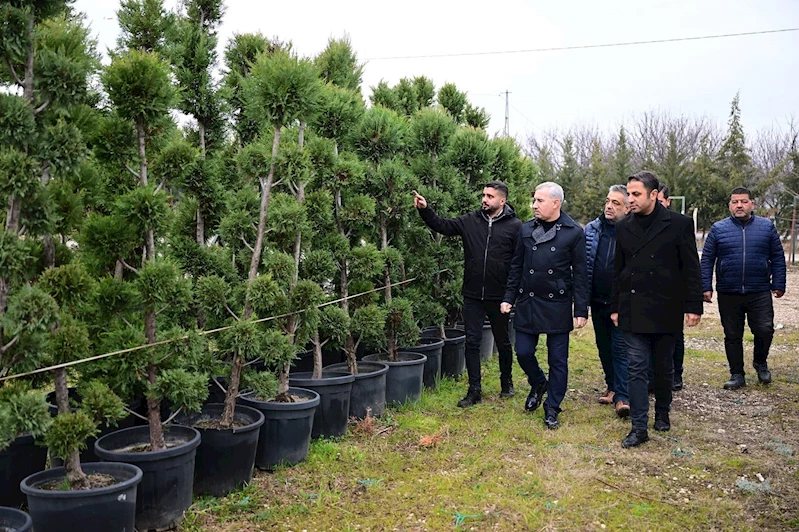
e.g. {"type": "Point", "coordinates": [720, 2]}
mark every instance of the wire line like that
{"type": "Point", "coordinates": [583, 46]}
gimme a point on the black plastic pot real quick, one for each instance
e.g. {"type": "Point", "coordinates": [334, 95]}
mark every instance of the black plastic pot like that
{"type": "Point", "coordinates": [404, 378]}
{"type": "Point", "coordinates": [111, 508]}
{"type": "Point", "coordinates": [226, 457]}
{"type": "Point", "coordinates": [431, 348]}
{"type": "Point", "coordinates": [20, 459]}
{"type": "Point", "coordinates": [453, 354]}
{"type": "Point", "coordinates": [486, 343]}
{"type": "Point", "coordinates": [87, 455]}
{"type": "Point", "coordinates": [13, 520]}
{"type": "Point", "coordinates": [334, 389]}
{"type": "Point", "coordinates": [286, 433]}
{"type": "Point", "coordinates": [368, 390]}
{"type": "Point", "coordinates": [304, 360]}
{"type": "Point", "coordinates": [165, 491]}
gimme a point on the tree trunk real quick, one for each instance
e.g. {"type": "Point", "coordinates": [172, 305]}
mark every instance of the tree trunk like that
{"type": "Point", "coordinates": [13, 214]}
{"type": "Point", "coordinates": [142, 152]}
{"type": "Point", "coordinates": [383, 246]}
{"type": "Point", "coordinates": [118, 270]}
{"type": "Point", "coordinates": [150, 244]}
{"type": "Point", "coordinates": [283, 381]}
{"type": "Point", "coordinates": [49, 251]}
{"type": "Point", "coordinates": [157, 442]}
{"type": "Point", "coordinates": [266, 191]}
{"type": "Point", "coordinates": [74, 472]}
{"type": "Point", "coordinates": [226, 421]}
{"type": "Point", "coordinates": [76, 478]}
{"type": "Point", "coordinates": [27, 81]}
{"type": "Point", "coordinates": [200, 230]}
{"type": "Point", "coordinates": [317, 356]}
{"type": "Point", "coordinates": [351, 349]}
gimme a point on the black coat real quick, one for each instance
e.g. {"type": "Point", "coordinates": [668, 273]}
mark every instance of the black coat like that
{"type": "Point", "coordinates": [656, 277]}
{"type": "Point", "coordinates": [548, 278]}
{"type": "Point", "coordinates": [487, 248]}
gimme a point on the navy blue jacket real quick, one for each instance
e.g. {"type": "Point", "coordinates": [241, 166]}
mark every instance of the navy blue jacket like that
{"type": "Point", "coordinates": [604, 266]}
{"type": "Point", "coordinates": [547, 279]}
{"type": "Point", "coordinates": [488, 246]}
{"type": "Point", "coordinates": [748, 257]}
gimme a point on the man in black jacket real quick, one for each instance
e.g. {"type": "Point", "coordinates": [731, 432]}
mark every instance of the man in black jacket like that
{"type": "Point", "coordinates": [489, 237]}
{"type": "Point", "coordinates": [656, 282]}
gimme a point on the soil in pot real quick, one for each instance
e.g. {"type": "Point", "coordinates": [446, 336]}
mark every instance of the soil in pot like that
{"type": "Point", "coordinates": [368, 390]}
{"type": "Point", "coordinates": [165, 491]}
{"type": "Point", "coordinates": [111, 507]}
{"type": "Point", "coordinates": [334, 389]}
{"type": "Point", "coordinates": [286, 433]}
{"type": "Point", "coordinates": [13, 520]}
{"type": "Point", "coordinates": [17, 461]}
{"type": "Point", "coordinates": [404, 377]}
{"type": "Point", "coordinates": [226, 457]}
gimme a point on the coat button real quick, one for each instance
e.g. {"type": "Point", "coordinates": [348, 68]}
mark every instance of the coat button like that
{"type": "Point", "coordinates": [532, 294]}
{"type": "Point", "coordinates": [532, 271]}
{"type": "Point", "coordinates": [535, 247]}
{"type": "Point", "coordinates": [521, 290]}
{"type": "Point", "coordinates": [561, 290]}
{"type": "Point", "coordinates": [550, 272]}
{"type": "Point", "coordinates": [652, 255]}
{"type": "Point", "coordinates": [551, 296]}
{"type": "Point", "coordinates": [632, 291]}
{"type": "Point", "coordinates": [552, 248]}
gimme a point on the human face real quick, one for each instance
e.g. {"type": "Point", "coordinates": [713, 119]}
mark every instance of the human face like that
{"type": "Point", "coordinates": [615, 207]}
{"type": "Point", "coordinates": [741, 206]}
{"type": "Point", "coordinates": [641, 201]}
{"type": "Point", "coordinates": [666, 202]}
{"type": "Point", "coordinates": [546, 208]}
{"type": "Point", "coordinates": [493, 201]}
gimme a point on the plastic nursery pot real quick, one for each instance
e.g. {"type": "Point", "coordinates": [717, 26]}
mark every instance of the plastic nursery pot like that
{"type": "Point", "coordinates": [286, 433]}
{"type": "Point", "coordinates": [13, 520]}
{"type": "Point", "coordinates": [368, 390]}
{"type": "Point", "coordinates": [431, 348]}
{"type": "Point", "coordinates": [107, 508]}
{"type": "Point", "coordinates": [453, 354]}
{"type": "Point", "coordinates": [486, 343]}
{"type": "Point", "coordinates": [404, 378]}
{"type": "Point", "coordinates": [334, 389]}
{"type": "Point", "coordinates": [165, 491]}
{"type": "Point", "coordinates": [20, 459]}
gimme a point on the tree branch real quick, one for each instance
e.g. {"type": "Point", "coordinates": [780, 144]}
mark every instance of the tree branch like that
{"type": "Point", "coordinates": [135, 414]}
{"type": "Point", "coordinates": [121, 317]}
{"type": "Point", "coordinates": [128, 266]}
{"type": "Point", "coordinates": [246, 244]}
{"type": "Point", "coordinates": [231, 312]}
{"type": "Point", "coordinates": [132, 171]}
{"type": "Point", "coordinates": [14, 73]}
{"type": "Point", "coordinates": [157, 312]}
{"type": "Point", "coordinates": [10, 344]}
{"type": "Point", "coordinates": [160, 185]}
{"type": "Point", "coordinates": [41, 108]}
{"type": "Point", "coordinates": [251, 362]}
{"type": "Point", "coordinates": [173, 416]}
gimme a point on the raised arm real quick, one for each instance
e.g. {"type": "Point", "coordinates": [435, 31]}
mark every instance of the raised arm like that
{"type": "Point", "coordinates": [777, 258]}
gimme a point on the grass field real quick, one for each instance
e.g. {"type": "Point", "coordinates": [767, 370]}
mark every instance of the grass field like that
{"type": "Point", "coordinates": [729, 462]}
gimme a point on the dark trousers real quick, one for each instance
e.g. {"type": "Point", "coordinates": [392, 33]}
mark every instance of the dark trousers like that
{"type": "Point", "coordinates": [474, 314]}
{"type": "Point", "coordinates": [640, 349]}
{"type": "Point", "coordinates": [612, 350]}
{"type": "Point", "coordinates": [758, 309]}
{"type": "Point", "coordinates": [679, 357]}
{"type": "Point", "coordinates": [558, 359]}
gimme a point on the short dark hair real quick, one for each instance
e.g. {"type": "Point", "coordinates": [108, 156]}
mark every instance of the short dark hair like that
{"type": "Point", "coordinates": [741, 190]}
{"type": "Point", "coordinates": [664, 188]}
{"type": "Point", "coordinates": [498, 185]}
{"type": "Point", "coordinates": [646, 178]}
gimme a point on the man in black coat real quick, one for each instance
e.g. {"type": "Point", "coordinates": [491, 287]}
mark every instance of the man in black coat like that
{"type": "Point", "coordinates": [657, 281]}
{"type": "Point", "coordinates": [489, 237]}
{"type": "Point", "coordinates": [548, 282]}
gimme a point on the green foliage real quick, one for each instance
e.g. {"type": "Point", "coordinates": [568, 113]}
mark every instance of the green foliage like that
{"type": "Point", "coordinates": [384, 96]}
{"type": "Point", "coordinates": [368, 324]}
{"type": "Point", "coordinates": [100, 403]}
{"type": "Point", "coordinates": [277, 349]}
{"type": "Point", "coordinates": [22, 412]}
{"type": "Point", "coordinates": [471, 153]}
{"type": "Point", "coordinates": [367, 262]}
{"type": "Point", "coordinates": [69, 432]}
{"type": "Point", "coordinates": [430, 132]}
{"type": "Point", "coordinates": [379, 135]}
{"type": "Point", "coordinates": [264, 294]}
{"type": "Point", "coordinates": [139, 85]}
{"type": "Point", "coordinates": [338, 64]}
{"type": "Point", "coordinates": [319, 266]}
{"type": "Point", "coordinates": [184, 389]}
{"type": "Point", "coordinates": [334, 323]}
{"type": "Point", "coordinates": [143, 24]}
{"type": "Point", "coordinates": [69, 342]}
{"type": "Point", "coordinates": [453, 100]}
{"type": "Point", "coordinates": [17, 123]}
{"type": "Point", "coordinates": [400, 323]}
{"type": "Point", "coordinates": [241, 53]}
{"type": "Point", "coordinates": [160, 285]}
{"type": "Point", "coordinates": [338, 111]}
{"type": "Point", "coordinates": [70, 285]}
{"type": "Point", "coordinates": [262, 384]}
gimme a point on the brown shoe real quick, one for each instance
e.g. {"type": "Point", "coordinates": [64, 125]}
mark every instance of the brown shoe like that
{"type": "Point", "coordinates": [622, 408]}
{"type": "Point", "coordinates": [607, 397]}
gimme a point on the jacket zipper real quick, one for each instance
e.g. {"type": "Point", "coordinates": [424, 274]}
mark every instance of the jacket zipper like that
{"type": "Point", "coordinates": [743, 270]}
{"type": "Point", "coordinates": [485, 257]}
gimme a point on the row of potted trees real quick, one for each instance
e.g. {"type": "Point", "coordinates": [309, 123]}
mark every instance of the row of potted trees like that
{"type": "Point", "coordinates": [208, 257]}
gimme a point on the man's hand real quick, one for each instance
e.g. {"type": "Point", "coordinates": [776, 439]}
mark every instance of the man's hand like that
{"type": "Point", "coordinates": [580, 322]}
{"type": "Point", "coordinates": [778, 293]}
{"type": "Point", "coordinates": [503, 307]}
{"type": "Point", "coordinates": [614, 317]}
{"type": "Point", "coordinates": [692, 319]}
{"type": "Point", "coordinates": [708, 297]}
{"type": "Point", "coordinates": [419, 202]}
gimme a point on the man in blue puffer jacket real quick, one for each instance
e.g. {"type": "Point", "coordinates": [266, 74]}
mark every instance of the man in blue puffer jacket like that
{"type": "Point", "coordinates": [750, 267]}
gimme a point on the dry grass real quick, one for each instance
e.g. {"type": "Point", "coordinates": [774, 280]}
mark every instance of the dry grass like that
{"type": "Point", "coordinates": [432, 466]}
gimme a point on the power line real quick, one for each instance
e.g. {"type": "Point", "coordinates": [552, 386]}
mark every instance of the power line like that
{"type": "Point", "coordinates": [583, 46]}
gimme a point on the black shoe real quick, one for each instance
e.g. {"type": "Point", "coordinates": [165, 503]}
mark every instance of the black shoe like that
{"type": "Point", "coordinates": [635, 438]}
{"type": "Point", "coordinates": [472, 398]}
{"type": "Point", "coordinates": [536, 397]}
{"type": "Point", "coordinates": [551, 419]}
{"type": "Point", "coordinates": [662, 423]}
{"type": "Point", "coordinates": [737, 380]}
{"type": "Point", "coordinates": [763, 374]}
{"type": "Point", "coordinates": [507, 390]}
{"type": "Point", "coordinates": [677, 384]}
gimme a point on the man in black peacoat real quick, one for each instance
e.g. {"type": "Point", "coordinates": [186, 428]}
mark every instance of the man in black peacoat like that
{"type": "Point", "coordinates": [657, 282]}
{"type": "Point", "coordinates": [548, 282]}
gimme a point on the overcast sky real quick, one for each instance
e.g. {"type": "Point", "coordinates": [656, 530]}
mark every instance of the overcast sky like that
{"type": "Point", "coordinates": [604, 87]}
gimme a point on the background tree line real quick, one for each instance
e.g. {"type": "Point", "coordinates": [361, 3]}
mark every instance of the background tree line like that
{"type": "Point", "coordinates": [695, 156]}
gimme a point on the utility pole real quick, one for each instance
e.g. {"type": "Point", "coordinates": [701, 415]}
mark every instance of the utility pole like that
{"type": "Point", "coordinates": [507, 114]}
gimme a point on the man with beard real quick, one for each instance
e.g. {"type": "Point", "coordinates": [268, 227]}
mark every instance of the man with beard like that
{"type": "Point", "coordinates": [489, 238]}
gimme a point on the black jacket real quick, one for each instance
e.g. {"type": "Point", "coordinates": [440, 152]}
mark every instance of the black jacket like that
{"type": "Point", "coordinates": [657, 278]}
{"type": "Point", "coordinates": [548, 278]}
{"type": "Point", "coordinates": [487, 248]}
